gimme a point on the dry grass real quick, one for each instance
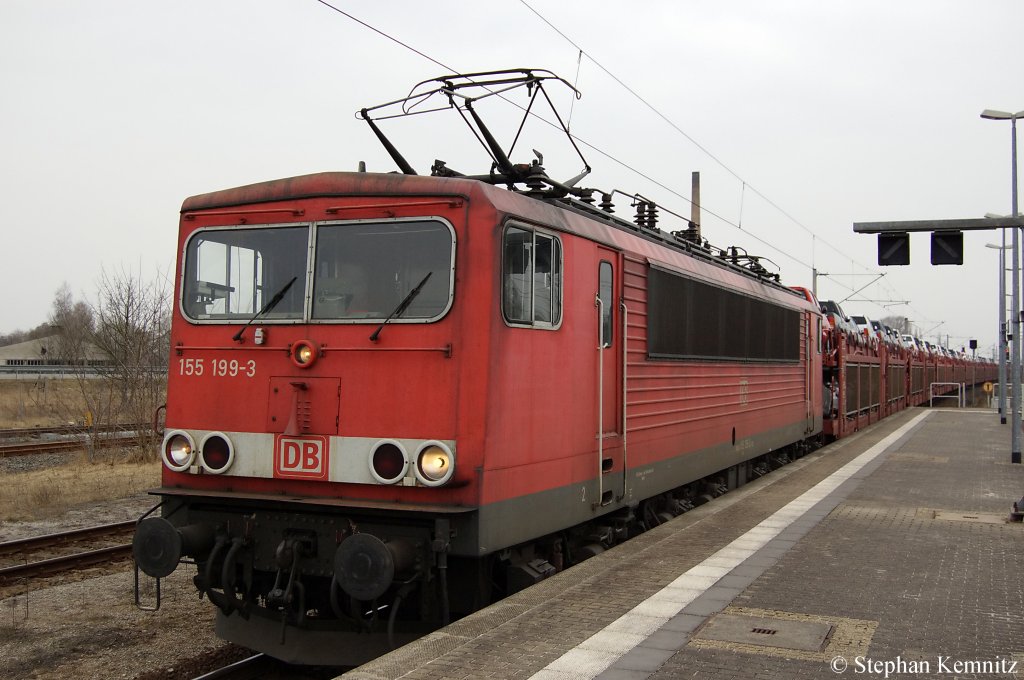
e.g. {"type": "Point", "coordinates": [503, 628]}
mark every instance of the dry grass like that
{"type": "Point", "coordinates": [41, 403]}
{"type": "Point", "coordinates": [37, 494]}
{"type": "Point", "coordinates": [29, 494]}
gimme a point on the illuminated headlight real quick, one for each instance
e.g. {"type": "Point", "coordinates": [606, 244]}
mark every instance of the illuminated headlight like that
{"type": "Point", "coordinates": [179, 450]}
{"type": "Point", "coordinates": [303, 353]}
{"type": "Point", "coordinates": [388, 461]}
{"type": "Point", "coordinates": [435, 464]}
{"type": "Point", "coordinates": [216, 453]}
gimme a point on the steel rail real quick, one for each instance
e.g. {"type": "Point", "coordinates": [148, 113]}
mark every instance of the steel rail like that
{"type": "Point", "coordinates": [53, 565]}
{"type": "Point", "coordinates": [63, 537]}
{"type": "Point", "coordinates": [11, 432]}
{"type": "Point", "coordinates": [29, 448]}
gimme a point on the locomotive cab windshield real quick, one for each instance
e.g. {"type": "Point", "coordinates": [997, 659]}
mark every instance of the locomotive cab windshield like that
{"type": "Point", "coordinates": [361, 272]}
{"type": "Point", "coordinates": [230, 274]}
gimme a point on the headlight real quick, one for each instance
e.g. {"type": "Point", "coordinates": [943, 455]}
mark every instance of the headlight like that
{"type": "Point", "coordinates": [435, 464]}
{"type": "Point", "coordinates": [303, 353]}
{"type": "Point", "coordinates": [179, 450]}
{"type": "Point", "coordinates": [216, 453]}
{"type": "Point", "coordinates": [388, 461]}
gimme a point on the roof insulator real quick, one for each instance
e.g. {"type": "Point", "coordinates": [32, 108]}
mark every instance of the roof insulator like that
{"type": "Point", "coordinates": [606, 203]}
{"type": "Point", "coordinates": [641, 214]}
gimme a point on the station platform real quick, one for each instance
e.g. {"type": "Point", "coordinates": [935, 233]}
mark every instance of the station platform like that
{"type": "Point", "coordinates": [886, 554]}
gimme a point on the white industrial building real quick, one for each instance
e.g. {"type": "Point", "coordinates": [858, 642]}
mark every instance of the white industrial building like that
{"type": "Point", "coordinates": [47, 352]}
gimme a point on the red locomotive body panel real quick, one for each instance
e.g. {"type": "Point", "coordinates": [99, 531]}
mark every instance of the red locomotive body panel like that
{"type": "Point", "coordinates": [684, 419]}
{"type": "Point", "coordinates": [521, 403]}
{"type": "Point", "coordinates": [405, 385]}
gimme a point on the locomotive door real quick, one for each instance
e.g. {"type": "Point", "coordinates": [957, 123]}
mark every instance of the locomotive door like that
{"type": "Point", "coordinates": [810, 361]}
{"type": "Point", "coordinates": [610, 344]}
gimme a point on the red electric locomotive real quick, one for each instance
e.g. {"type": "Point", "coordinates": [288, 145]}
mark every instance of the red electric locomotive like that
{"type": "Point", "coordinates": [395, 397]}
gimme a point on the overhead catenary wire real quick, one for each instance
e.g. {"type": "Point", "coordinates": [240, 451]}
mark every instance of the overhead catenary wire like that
{"type": "Point", "coordinates": [576, 85]}
{"type": "Point", "coordinates": [385, 35]}
{"type": "Point", "coordinates": [693, 141]}
{"type": "Point", "coordinates": [744, 184]}
{"type": "Point", "coordinates": [814, 235]}
{"type": "Point", "coordinates": [581, 52]}
{"type": "Point", "coordinates": [584, 142]}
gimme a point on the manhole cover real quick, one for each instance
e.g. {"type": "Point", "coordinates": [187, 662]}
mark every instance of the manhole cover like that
{"type": "Point", "coordinates": [907, 457]}
{"type": "Point", "coordinates": [809, 636]}
{"type": "Point", "coordinates": [980, 517]}
{"type": "Point", "coordinates": [985, 518]}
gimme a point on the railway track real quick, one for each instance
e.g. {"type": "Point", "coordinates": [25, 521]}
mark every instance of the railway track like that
{"type": "Point", "coordinates": [29, 448]}
{"type": "Point", "coordinates": [16, 432]}
{"type": "Point", "coordinates": [28, 569]}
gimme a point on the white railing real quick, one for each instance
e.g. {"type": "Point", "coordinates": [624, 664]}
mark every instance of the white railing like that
{"type": "Point", "coordinates": [960, 396]}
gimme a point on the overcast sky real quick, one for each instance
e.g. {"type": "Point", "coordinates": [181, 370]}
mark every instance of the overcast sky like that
{"type": "Point", "coordinates": [802, 117]}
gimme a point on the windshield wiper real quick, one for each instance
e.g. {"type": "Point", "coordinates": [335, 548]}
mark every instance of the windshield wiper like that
{"type": "Point", "coordinates": [401, 307]}
{"type": "Point", "coordinates": [266, 308]}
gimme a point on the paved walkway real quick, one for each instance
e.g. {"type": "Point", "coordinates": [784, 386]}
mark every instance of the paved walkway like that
{"type": "Point", "coordinates": [883, 555]}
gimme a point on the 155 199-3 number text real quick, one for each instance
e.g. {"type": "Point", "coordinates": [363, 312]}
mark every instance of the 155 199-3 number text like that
{"type": "Point", "coordinates": [218, 368]}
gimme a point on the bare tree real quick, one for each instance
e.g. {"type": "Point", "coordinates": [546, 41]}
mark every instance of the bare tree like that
{"type": "Point", "coordinates": [13, 338]}
{"type": "Point", "coordinates": [132, 328]}
{"type": "Point", "coordinates": [16, 336]}
{"type": "Point", "coordinates": [120, 344]}
{"type": "Point", "coordinates": [900, 323]}
{"type": "Point", "coordinates": [74, 325]}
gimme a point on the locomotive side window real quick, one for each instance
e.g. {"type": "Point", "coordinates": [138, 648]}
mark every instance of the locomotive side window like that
{"type": "Point", "coordinates": [531, 278]}
{"type": "Point", "coordinates": [230, 274]}
{"type": "Point", "coordinates": [364, 270]}
{"type": "Point", "coordinates": [604, 288]}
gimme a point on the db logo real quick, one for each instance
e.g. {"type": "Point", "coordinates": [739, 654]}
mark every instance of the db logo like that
{"type": "Point", "coordinates": [301, 457]}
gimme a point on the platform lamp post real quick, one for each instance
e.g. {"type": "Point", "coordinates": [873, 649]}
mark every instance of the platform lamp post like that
{"type": "Point", "coordinates": [1002, 327]}
{"type": "Point", "coordinates": [1015, 297]}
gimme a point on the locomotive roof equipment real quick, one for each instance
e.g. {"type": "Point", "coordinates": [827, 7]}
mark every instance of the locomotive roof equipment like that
{"type": "Point", "coordinates": [457, 89]}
